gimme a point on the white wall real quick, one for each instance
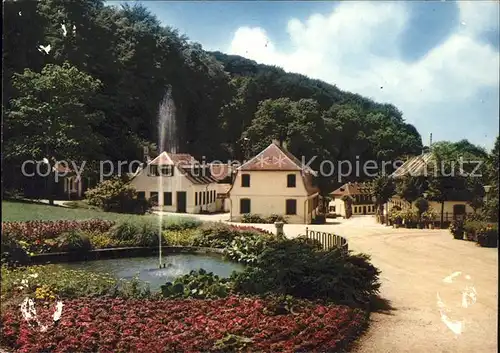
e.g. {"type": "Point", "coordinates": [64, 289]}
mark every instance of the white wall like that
{"type": "Point", "coordinates": [268, 193]}
{"type": "Point", "coordinates": [177, 182]}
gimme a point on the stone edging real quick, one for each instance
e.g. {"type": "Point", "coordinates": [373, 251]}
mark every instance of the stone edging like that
{"type": "Point", "coordinates": [115, 253]}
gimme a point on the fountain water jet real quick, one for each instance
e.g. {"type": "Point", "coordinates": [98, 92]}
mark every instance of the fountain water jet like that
{"type": "Point", "coordinates": [167, 141]}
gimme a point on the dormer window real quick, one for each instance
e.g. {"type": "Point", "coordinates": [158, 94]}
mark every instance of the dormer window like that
{"type": "Point", "coordinates": [167, 170]}
{"type": "Point", "coordinates": [153, 170]}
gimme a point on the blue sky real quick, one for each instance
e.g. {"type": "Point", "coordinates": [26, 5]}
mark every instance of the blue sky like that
{"type": "Point", "coordinates": [436, 61]}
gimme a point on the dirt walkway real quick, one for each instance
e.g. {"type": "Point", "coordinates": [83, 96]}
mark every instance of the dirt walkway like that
{"type": "Point", "coordinates": [418, 266]}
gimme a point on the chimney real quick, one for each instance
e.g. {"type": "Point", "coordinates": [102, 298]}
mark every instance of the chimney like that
{"type": "Point", "coordinates": [430, 140]}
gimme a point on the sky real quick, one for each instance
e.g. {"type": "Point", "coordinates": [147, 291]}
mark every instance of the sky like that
{"type": "Point", "coordinates": [437, 61]}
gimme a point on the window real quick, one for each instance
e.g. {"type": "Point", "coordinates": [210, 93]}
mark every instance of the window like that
{"type": "Point", "coordinates": [459, 209]}
{"type": "Point", "coordinates": [290, 181]}
{"type": "Point", "coordinates": [141, 195]}
{"type": "Point", "coordinates": [196, 198]}
{"type": "Point", "coordinates": [215, 195]}
{"type": "Point", "coordinates": [167, 170]}
{"type": "Point", "coordinates": [291, 207]}
{"type": "Point", "coordinates": [245, 180]}
{"type": "Point", "coordinates": [153, 195]}
{"type": "Point", "coordinates": [204, 198]}
{"type": "Point", "coordinates": [199, 198]}
{"type": "Point", "coordinates": [153, 170]}
{"type": "Point", "coordinates": [244, 206]}
{"type": "Point", "coordinates": [167, 199]}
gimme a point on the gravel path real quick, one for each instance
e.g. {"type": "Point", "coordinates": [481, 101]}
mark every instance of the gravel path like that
{"type": "Point", "coordinates": [418, 265]}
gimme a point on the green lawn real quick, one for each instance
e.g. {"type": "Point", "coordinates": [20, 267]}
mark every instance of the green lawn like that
{"type": "Point", "coordinates": [25, 211]}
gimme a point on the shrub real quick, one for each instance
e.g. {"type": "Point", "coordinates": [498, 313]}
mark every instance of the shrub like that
{"type": "Point", "coordinates": [73, 241]}
{"type": "Point", "coordinates": [136, 233]}
{"type": "Point", "coordinates": [429, 215]}
{"type": "Point", "coordinates": [215, 235]}
{"type": "Point", "coordinates": [471, 227]}
{"type": "Point", "coordinates": [184, 237]}
{"type": "Point", "coordinates": [253, 218]}
{"type": "Point", "coordinates": [246, 248]}
{"type": "Point", "coordinates": [180, 223]}
{"type": "Point", "coordinates": [457, 229]}
{"type": "Point", "coordinates": [319, 219]}
{"type": "Point", "coordinates": [101, 240]}
{"type": "Point", "coordinates": [67, 283]}
{"type": "Point", "coordinates": [409, 217]}
{"type": "Point", "coordinates": [488, 236]}
{"type": "Point", "coordinates": [124, 231]}
{"type": "Point", "coordinates": [148, 234]}
{"type": "Point", "coordinates": [276, 218]}
{"type": "Point", "coordinates": [490, 210]}
{"type": "Point", "coordinates": [292, 267]}
{"type": "Point", "coordinates": [197, 284]}
{"type": "Point", "coordinates": [116, 195]}
{"type": "Point", "coordinates": [422, 206]}
{"type": "Point", "coordinates": [14, 252]}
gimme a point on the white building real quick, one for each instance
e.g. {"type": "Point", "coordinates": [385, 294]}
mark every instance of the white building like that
{"type": "Point", "coordinates": [360, 194]}
{"type": "Point", "coordinates": [456, 205]}
{"type": "Point", "coordinates": [274, 183]}
{"type": "Point", "coordinates": [178, 183]}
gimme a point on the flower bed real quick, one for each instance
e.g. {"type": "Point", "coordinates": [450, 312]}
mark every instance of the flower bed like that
{"type": "Point", "coordinates": [250, 229]}
{"type": "Point", "coordinates": [230, 324]}
{"type": "Point", "coordinates": [41, 230]}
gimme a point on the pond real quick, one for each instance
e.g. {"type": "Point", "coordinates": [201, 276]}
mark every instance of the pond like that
{"type": "Point", "coordinates": [146, 268]}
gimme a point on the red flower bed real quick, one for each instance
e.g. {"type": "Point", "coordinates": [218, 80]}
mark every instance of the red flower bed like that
{"type": "Point", "coordinates": [116, 325]}
{"type": "Point", "coordinates": [40, 230]}
{"type": "Point", "coordinates": [250, 229]}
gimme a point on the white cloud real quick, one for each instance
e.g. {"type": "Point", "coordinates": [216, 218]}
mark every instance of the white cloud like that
{"type": "Point", "coordinates": [356, 47]}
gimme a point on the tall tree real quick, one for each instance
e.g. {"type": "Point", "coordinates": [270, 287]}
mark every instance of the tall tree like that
{"type": "Point", "coordinates": [382, 189]}
{"type": "Point", "coordinates": [409, 188]}
{"type": "Point", "coordinates": [50, 118]}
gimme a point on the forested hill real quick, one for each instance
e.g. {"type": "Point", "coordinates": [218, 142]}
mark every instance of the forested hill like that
{"type": "Point", "coordinates": [342, 124]}
{"type": "Point", "coordinates": [84, 81]}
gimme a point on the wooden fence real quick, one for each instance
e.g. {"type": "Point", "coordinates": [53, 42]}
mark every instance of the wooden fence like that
{"type": "Point", "coordinates": [328, 240]}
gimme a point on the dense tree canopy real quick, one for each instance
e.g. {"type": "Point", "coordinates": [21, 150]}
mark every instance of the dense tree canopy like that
{"type": "Point", "coordinates": [221, 101]}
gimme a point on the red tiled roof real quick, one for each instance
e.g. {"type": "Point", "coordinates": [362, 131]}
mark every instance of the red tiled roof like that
{"type": "Point", "coordinates": [197, 175]}
{"type": "Point", "coordinates": [274, 158]}
{"type": "Point", "coordinates": [352, 189]}
{"type": "Point", "coordinates": [414, 166]}
{"type": "Point", "coordinates": [186, 164]}
{"type": "Point", "coordinates": [174, 158]}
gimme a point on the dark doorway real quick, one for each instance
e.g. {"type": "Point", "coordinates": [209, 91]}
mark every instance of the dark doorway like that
{"type": "Point", "coordinates": [181, 201]}
{"type": "Point", "coordinates": [364, 209]}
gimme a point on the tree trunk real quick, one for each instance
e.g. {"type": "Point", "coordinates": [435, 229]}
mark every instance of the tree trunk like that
{"type": "Point", "coordinates": [50, 187]}
{"type": "Point", "coordinates": [442, 215]}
